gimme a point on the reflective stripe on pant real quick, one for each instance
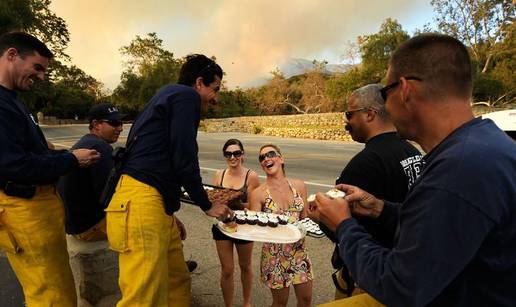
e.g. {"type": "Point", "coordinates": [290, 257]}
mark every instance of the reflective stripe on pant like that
{"type": "Point", "coordinates": [36, 226]}
{"type": "Point", "coordinates": [152, 267]}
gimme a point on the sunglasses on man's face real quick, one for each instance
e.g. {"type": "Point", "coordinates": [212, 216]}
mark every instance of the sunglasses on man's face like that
{"type": "Point", "coordinates": [236, 154]}
{"type": "Point", "coordinates": [113, 123]}
{"type": "Point", "coordinates": [269, 154]}
{"type": "Point", "coordinates": [384, 90]}
{"type": "Point", "coordinates": [349, 114]}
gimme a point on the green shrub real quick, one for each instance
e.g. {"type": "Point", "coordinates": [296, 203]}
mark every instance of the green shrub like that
{"type": "Point", "coordinates": [257, 129]}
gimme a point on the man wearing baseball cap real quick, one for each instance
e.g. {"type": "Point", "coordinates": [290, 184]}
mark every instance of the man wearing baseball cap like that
{"type": "Point", "coordinates": [81, 189]}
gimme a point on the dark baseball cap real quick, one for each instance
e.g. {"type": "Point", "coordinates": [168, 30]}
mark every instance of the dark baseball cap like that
{"type": "Point", "coordinates": [104, 111]}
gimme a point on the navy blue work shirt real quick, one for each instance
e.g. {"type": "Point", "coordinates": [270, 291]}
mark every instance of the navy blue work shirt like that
{"type": "Point", "coordinates": [456, 230]}
{"type": "Point", "coordinates": [24, 154]}
{"type": "Point", "coordinates": [162, 146]}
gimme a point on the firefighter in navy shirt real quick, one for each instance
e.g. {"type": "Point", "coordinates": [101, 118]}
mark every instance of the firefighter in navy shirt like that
{"type": "Point", "coordinates": [162, 156]}
{"type": "Point", "coordinates": [31, 214]}
{"type": "Point", "coordinates": [455, 230]}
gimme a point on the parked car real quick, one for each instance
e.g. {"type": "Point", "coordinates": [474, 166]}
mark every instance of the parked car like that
{"type": "Point", "coordinates": [506, 120]}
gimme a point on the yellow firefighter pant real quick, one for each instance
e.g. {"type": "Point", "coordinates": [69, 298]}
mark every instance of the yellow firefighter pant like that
{"type": "Point", "coordinates": [32, 235]}
{"type": "Point", "coordinates": [152, 267]}
{"type": "Point", "coordinates": [360, 300]}
{"type": "Point", "coordinates": [344, 285]}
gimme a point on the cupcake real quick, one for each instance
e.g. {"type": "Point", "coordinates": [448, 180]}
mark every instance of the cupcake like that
{"type": "Point", "coordinates": [334, 193]}
{"type": "Point", "coordinates": [239, 212]}
{"type": "Point", "coordinates": [251, 220]}
{"type": "Point", "coordinates": [250, 213]}
{"type": "Point", "coordinates": [262, 214]}
{"type": "Point", "coordinates": [263, 221]}
{"type": "Point", "coordinates": [240, 219]}
{"type": "Point", "coordinates": [271, 215]}
{"type": "Point", "coordinates": [273, 222]}
{"type": "Point", "coordinates": [283, 219]}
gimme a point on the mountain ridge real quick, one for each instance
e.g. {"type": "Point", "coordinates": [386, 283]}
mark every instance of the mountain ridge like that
{"type": "Point", "coordinates": [298, 66]}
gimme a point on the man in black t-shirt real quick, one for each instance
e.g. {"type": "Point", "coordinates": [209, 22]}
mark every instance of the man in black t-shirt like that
{"type": "Point", "coordinates": [81, 189]}
{"type": "Point", "coordinates": [388, 165]}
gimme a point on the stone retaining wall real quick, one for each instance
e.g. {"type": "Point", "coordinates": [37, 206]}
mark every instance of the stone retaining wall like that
{"type": "Point", "coordinates": [324, 126]}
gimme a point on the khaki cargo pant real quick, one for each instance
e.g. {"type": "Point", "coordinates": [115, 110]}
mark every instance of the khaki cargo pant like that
{"type": "Point", "coordinates": [32, 235]}
{"type": "Point", "coordinates": [152, 267]}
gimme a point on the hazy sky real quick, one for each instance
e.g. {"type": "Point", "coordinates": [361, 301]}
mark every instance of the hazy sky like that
{"type": "Point", "coordinates": [249, 37]}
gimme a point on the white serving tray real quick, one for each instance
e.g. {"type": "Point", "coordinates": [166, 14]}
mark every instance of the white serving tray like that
{"type": "Point", "coordinates": [289, 233]}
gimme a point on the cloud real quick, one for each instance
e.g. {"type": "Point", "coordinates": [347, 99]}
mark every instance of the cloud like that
{"type": "Point", "coordinates": [249, 38]}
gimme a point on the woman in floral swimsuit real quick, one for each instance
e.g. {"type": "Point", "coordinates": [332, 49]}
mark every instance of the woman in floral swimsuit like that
{"type": "Point", "coordinates": [283, 265]}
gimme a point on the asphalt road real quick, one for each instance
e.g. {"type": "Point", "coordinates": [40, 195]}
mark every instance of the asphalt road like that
{"type": "Point", "coordinates": [318, 163]}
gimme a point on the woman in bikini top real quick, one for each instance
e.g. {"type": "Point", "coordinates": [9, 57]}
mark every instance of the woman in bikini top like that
{"type": "Point", "coordinates": [283, 265]}
{"type": "Point", "coordinates": [235, 176]}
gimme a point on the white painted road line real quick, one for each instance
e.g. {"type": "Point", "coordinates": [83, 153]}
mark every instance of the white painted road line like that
{"type": "Point", "coordinates": [72, 137]}
{"type": "Point", "coordinates": [263, 177]}
{"type": "Point", "coordinates": [61, 145]}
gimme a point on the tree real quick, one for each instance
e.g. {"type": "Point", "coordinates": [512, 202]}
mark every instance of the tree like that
{"type": "Point", "coordinates": [148, 67]}
{"type": "Point", "coordinates": [352, 53]}
{"type": "Point", "coordinates": [340, 86]}
{"type": "Point", "coordinates": [68, 90]}
{"type": "Point", "coordinates": [35, 17]}
{"type": "Point", "coordinates": [144, 52]}
{"type": "Point", "coordinates": [486, 27]}
{"type": "Point", "coordinates": [73, 76]}
{"type": "Point", "coordinates": [312, 90]}
{"type": "Point", "coordinates": [279, 96]}
{"type": "Point", "coordinates": [480, 24]}
{"type": "Point", "coordinates": [375, 49]}
{"type": "Point", "coordinates": [15, 15]}
{"type": "Point", "coordinates": [232, 103]}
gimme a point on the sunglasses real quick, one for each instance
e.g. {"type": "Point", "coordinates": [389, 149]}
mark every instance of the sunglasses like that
{"type": "Point", "coordinates": [349, 114]}
{"type": "Point", "coordinates": [113, 123]}
{"type": "Point", "coordinates": [236, 154]}
{"type": "Point", "coordinates": [269, 154]}
{"type": "Point", "coordinates": [387, 88]}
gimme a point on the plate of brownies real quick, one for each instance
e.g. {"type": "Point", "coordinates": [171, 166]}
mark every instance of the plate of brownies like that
{"type": "Point", "coordinates": [218, 195]}
{"type": "Point", "coordinates": [262, 227]}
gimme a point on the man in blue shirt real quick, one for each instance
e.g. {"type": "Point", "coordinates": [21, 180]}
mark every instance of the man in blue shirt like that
{"type": "Point", "coordinates": [31, 214]}
{"type": "Point", "coordinates": [456, 229]}
{"type": "Point", "coordinates": [162, 156]}
{"type": "Point", "coordinates": [81, 189]}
